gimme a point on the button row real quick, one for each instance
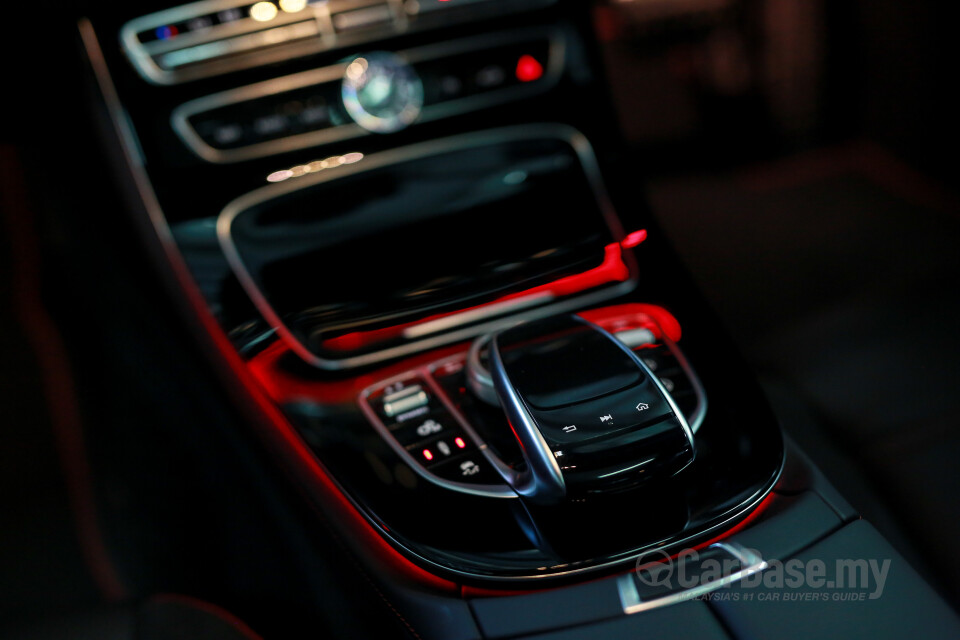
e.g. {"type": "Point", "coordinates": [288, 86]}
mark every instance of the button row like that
{"type": "Point", "coordinates": [633, 407]}
{"type": "Point", "coordinates": [318, 107]}
{"type": "Point", "coordinates": [476, 73]}
{"type": "Point", "coordinates": [420, 424]}
{"type": "Point", "coordinates": [270, 118]}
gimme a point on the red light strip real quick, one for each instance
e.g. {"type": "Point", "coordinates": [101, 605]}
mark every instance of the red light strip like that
{"type": "Point", "coordinates": [612, 269]}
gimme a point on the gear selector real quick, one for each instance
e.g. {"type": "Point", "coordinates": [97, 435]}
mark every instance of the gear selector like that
{"type": "Point", "coordinates": [588, 414]}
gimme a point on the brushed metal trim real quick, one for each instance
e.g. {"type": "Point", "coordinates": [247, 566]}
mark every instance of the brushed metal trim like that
{"type": "Point", "coordinates": [750, 562]}
{"type": "Point", "coordinates": [541, 481]}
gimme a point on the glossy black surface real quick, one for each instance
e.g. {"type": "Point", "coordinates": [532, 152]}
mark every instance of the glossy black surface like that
{"type": "Point", "coordinates": [738, 459]}
{"type": "Point", "coordinates": [558, 362]}
{"type": "Point", "coordinates": [433, 232]}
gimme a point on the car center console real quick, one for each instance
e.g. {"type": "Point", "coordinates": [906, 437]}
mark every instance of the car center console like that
{"type": "Point", "coordinates": [409, 232]}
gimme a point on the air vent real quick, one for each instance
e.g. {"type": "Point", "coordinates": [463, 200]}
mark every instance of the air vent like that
{"type": "Point", "coordinates": [214, 37]}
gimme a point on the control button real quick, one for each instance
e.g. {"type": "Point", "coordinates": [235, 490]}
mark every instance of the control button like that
{"type": "Point", "coordinates": [363, 18]}
{"type": "Point", "coordinates": [570, 367]}
{"type": "Point", "coordinates": [490, 77]}
{"type": "Point", "coordinates": [668, 384]}
{"type": "Point", "coordinates": [638, 405]}
{"type": "Point", "coordinates": [227, 134]}
{"type": "Point", "coordinates": [529, 69]}
{"type": "Point", "coordinates": [270, 125]}
{"type": "Point", "coordinates": [315, 115]}
{"type": "Point", "coordinates": [634, 338]}
{"type": "Point", "coordinates": [403, 400]}
{"type": "Point", "coordinates": [658, 359]}
{"type": "Point", "coordinates": [424, 428]}
{"type": "Point", "coordinates": [381, 92]}
{"type": "Point", "coordinates": [450, 86]}
{"type": "Point", "coordinates": [472, 468]}
{"type": "Point", "coordinates": [442, 449]}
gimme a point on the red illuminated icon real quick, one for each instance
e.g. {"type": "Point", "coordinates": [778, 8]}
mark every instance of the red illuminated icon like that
{"type": "Point", "coordinates": [529, 69]}
{"type": "Point", "coordinates": [461, 443]}
{"type": "Point", "coordinates": [428, 454]}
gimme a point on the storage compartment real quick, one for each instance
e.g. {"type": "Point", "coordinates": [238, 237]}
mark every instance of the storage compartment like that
{"type": "Point", "coordinates": [429, 243]}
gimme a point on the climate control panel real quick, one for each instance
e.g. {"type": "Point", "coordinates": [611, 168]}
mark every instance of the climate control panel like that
{"type": "Point", "coordinates": [376, 92]}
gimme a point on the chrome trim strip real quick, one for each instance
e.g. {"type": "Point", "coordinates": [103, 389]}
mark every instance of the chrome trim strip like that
{"type": "Point", "coordinates": [700, 412]}
{"type": "Point", "coordinates": [483, 490]}
{"type": "Point", "coordinates": [463, 141]}
{"type": "Point", "coordinates": [239, 44]}
{"type": "Point", "coordinates": [542, 481]}
{"type": "Point", "coordinates": [750, 563]}
{"type": "Point", "coordinates": [478, 376]}
{"type": "Point", "coordinates": [180, 117]}
{"type": "Point", "coordinates": [483, 313]}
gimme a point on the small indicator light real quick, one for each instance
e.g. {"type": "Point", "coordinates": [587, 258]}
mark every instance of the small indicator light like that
{"type": "Point", "coordinates": [166, 32]}
{"type": "Point", "coordinates": [293, 6]}
{"type": "Point", "coordinates": [428, 454]}
{"type": "Point", "coordinates": [529, 69]}
{"type": "Point", "coordinates": [461, 443]}
{"type": "Point", "coordinates": [263, 11]}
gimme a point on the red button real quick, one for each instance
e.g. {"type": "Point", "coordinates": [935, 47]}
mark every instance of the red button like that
{"type": "Point", "coordinates": [529, 69]}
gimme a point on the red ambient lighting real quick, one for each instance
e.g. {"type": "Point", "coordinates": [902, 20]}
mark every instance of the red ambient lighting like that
{"type": "Point", "coordinates": [529, 69]}
{"type": "Point", "coordinates": [634, 239]}
{"type": "Point", "coordinates": [612, 269]}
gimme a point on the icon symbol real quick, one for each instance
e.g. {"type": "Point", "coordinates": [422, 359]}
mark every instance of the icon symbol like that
{"type": "Point", "coordinates": [667, 384]}
{"type": "Point", "coordinates": [428, 428]}
{"type": "Point", "coordinates": [393, 388]}
{"type": "Point", "coordinates": [606, 418]}
{"type": "Point", "coordinates": [643, 406]}
{"type": "Point", "coordinates": [469, 468]}
{"type": "Point", "coordinates": [570, 429]}
{"type": "Point", "coordinates": [444, 448]}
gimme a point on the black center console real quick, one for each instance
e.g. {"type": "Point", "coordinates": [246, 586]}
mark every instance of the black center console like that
{"type": "Point", "coordinates": [410, 235]}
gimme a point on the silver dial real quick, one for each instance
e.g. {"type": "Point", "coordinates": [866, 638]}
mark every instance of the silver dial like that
{"type": "Point", "coordinates": [381, 92]}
